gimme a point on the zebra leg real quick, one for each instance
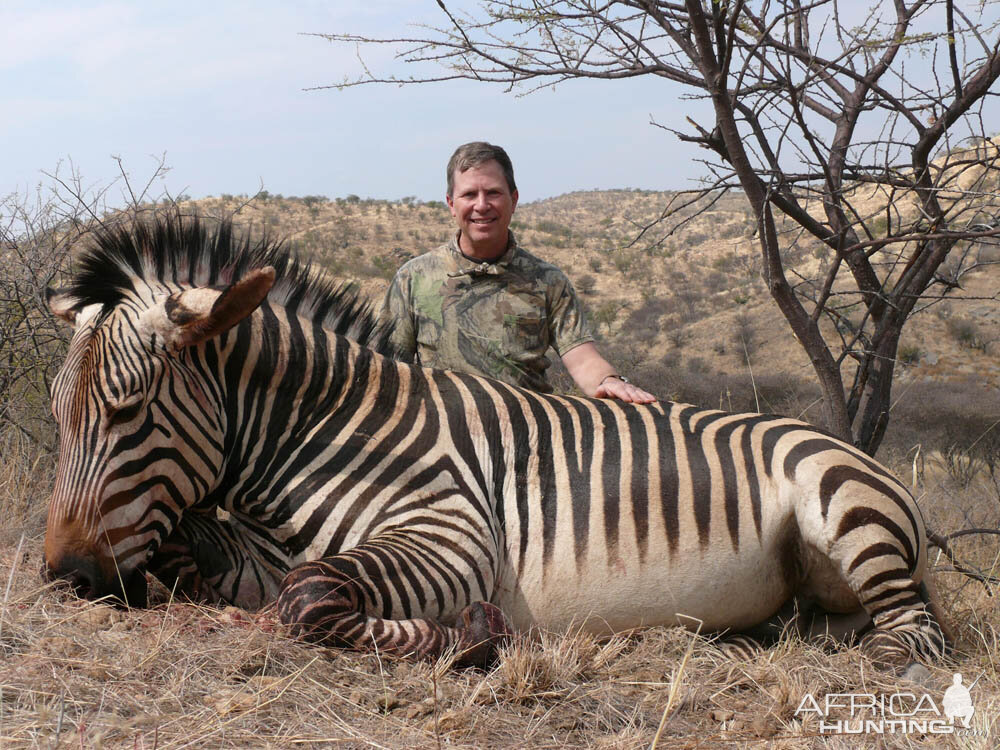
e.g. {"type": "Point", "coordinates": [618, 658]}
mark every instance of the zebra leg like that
{"type": "Point", "coordinates": [802, 617]}
{"type": "Point", "coordinates": [870, 565]}
{"type": "Point", "coordinates": [207, 559]}
{"type": "Point", "coordinates": [905, 631]}
{"type": "Point", "coordinates": [747, 643]}
{"type": "Point", "coordinates": [329, 601]}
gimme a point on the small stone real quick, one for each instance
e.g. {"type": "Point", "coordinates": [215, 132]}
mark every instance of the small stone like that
{"type": "Point", "coordinates": [764, 726]}
{"type": "Point", "coordinates": [919, 674]}
{"type": "Point", "coordinates": [230, 701]}
{"type": "Point", "coordinates": [231, 616]}
{"type": "Point", "coordinates": [95, 672]}
{"type": "Point", "coordinates": [264, 682]}
{"type": "Point", "coordinates": [448, 691]}
{"type": "Point", "coordinates": [387, 701]}
{"type": "Point", "coordinates": [404, 670]}
{"type": "Point", "coordinates": [565, 723]}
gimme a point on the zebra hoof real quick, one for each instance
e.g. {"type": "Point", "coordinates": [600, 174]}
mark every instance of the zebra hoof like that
{"type": "Point", "coordinates": [886, 652]}
{"type": "Point", "coordinates": [483, 632]}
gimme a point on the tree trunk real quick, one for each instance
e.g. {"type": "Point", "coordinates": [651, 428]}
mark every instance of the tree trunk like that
{"type": "Point", "coordinates": [869, 407]}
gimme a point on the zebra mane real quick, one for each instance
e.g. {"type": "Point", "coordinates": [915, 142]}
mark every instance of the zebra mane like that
{"type": "Point", "coordinates": [183, 251]}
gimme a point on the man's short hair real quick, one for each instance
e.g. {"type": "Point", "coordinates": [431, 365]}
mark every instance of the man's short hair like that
{"type": "Point", "coordinates": [476, 153]}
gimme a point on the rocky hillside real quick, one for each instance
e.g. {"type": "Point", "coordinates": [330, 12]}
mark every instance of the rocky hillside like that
{"type": "Point", "coordinates": [691, 299]}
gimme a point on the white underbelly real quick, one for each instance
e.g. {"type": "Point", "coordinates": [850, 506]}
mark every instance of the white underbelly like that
{"type": "Point", "coordinates": [715, 589]}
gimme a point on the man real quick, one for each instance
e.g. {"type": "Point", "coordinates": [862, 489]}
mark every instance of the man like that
{"type": "Point", "coordinates": [483, 305]}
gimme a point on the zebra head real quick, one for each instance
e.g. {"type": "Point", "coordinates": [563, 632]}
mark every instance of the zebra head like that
{"type": "Point", "coordinates": [140, 425]}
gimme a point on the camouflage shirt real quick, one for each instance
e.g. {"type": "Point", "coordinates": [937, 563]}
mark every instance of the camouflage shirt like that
{"type": "Point", "coordinates": [494, 319]}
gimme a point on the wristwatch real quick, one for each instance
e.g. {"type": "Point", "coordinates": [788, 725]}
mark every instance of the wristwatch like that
{"type": "Point", "coordinates": [614, 375]}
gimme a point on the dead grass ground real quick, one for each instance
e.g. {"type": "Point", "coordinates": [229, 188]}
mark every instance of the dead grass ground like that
{"type": "Point", "coordinates": [82, 675]}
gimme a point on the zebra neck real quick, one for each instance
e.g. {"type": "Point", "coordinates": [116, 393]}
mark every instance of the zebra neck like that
{"type": "Point", "coordinates": [292, 400]}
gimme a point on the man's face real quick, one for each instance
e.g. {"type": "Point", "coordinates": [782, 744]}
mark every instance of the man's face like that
{"type": "Point", "coordinates": [482, 205]}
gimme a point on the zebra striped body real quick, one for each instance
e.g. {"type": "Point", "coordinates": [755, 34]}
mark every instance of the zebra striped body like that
{"type": "Point", "coordinates": [399, 497]}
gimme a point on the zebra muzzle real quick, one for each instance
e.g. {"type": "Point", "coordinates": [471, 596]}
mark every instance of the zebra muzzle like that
{"type": "Point", "coordinates": [85, 578]}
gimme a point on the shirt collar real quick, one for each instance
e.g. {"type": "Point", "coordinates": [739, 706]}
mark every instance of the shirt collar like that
{"type": "Point", "coordinates": [472, 267]}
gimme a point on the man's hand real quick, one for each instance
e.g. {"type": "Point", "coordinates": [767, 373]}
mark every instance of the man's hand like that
{"type": "Point", "coordinates": [598, 379]}
{"type": "Point", "coordinates": [614, 387]}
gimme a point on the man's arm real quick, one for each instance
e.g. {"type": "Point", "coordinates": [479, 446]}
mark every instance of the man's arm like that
{"type": "Point", "coordinates": [595, 376]}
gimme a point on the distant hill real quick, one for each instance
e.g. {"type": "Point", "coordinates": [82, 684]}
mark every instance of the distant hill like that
{"type": "Point", "coordinates": [689, 309]}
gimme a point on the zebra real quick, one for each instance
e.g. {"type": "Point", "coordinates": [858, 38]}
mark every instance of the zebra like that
{"type": "Point", "coordinates": [377, 504]}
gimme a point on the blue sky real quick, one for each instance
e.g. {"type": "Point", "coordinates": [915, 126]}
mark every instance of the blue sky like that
{"type": "Point", "coordinates": [219, 88]}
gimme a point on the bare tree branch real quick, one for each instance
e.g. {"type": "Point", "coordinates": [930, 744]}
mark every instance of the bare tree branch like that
{"type": "Point", "coordinates": [941, 542]}
{"type": "Point", "coordinates": [856, 133]}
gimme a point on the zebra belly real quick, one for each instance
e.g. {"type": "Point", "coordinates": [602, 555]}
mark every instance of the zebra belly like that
{"type": "Point", "coordinates": [714, 589]}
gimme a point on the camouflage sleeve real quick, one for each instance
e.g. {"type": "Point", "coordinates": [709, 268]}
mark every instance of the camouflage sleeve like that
{"type": "Point", "coordinates": [567, 320]}
{"type": "Point", "coordinates": [396, 309]}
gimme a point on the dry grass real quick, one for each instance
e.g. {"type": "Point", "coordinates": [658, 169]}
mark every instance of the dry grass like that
{"type": "Point", "coordinates": [77, 674]}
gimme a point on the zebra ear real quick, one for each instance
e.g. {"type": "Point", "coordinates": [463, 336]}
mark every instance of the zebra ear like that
{"type": "Point", "coordinates": [61, 304]}
{"type": "Point", "coordinates": [195, 315]}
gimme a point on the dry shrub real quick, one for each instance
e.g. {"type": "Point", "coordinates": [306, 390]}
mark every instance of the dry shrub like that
{"type": "Point", "coordinates": [961, 465]}
{"type": "Point", "coordinates": [694, 382]}
{"type": "Point", "coordinates": [967, 333]}
{"type": "Point", "coordinates": [715, 282]}
{"type": "Point", "coordinates": [585, 284]}
{"type": "Point", "coordinates": [744, 336]}
{"type": "Point", "coordinates": [26, 475]}
{"type": "Point", "coordinates": [553, 666]}
{"type": "Point", "coordinates": [961, 418]}
{"type": "Point", "coordinates": [956, 511]}
{"type": "Point", "coordinates": [645, 321]}
{"type": "Point", "coordinates": [678, 336]}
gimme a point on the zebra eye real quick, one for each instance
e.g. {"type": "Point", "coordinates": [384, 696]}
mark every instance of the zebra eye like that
{"type": "Point", "coordinates": [125, 412]}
